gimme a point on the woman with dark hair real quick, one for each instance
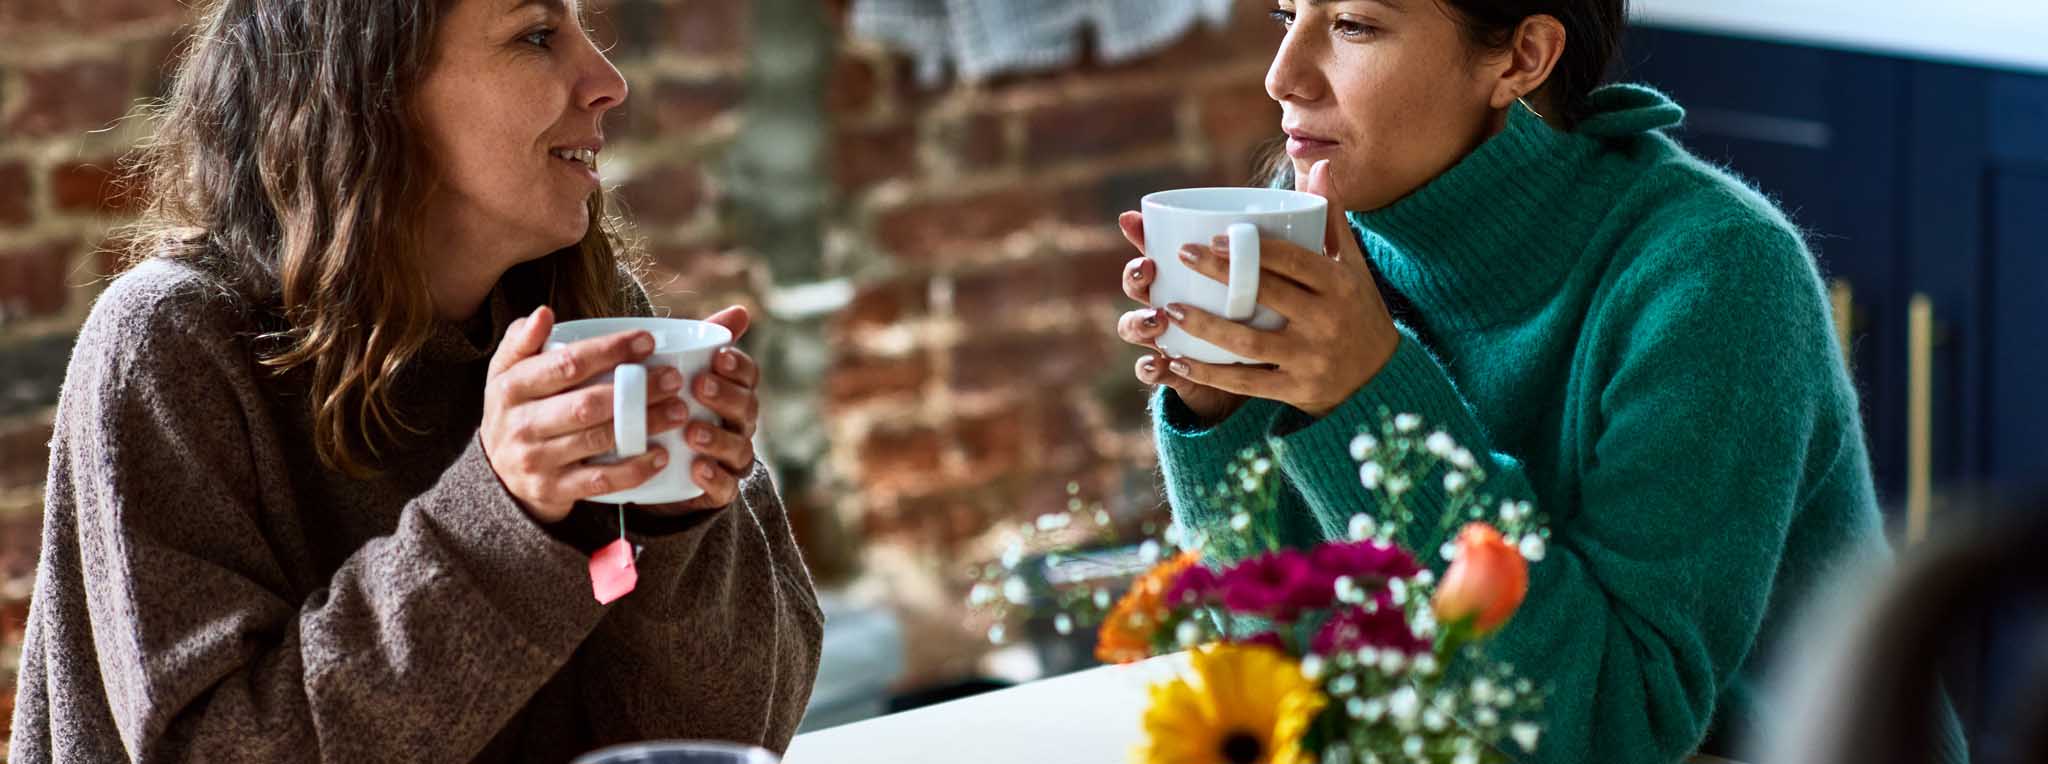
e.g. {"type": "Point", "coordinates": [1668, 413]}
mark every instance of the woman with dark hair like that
{"type": "Point", "coordinates": [316, 485]}
{"type": "Point", "coordinates": [1629, 340]}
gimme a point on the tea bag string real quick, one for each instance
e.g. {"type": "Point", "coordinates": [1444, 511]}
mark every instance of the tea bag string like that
{"type": "Point", "coordinates": [622, 533]}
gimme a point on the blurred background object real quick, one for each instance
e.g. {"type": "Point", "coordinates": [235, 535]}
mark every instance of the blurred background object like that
{"type": "Point", "coordinates": [934, 261]}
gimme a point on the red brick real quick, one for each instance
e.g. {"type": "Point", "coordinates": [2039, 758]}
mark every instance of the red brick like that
{"type": "Point", "coordinates": [70, 98]}
{"type": "Point", "coordinates": [901, 461]}
{"type": "Point", "coordinates": [1238, 120]}
{"type": "Point", "coordinates": [707, 27]}
{"type": "Point", "coordinates": [1017, 360]}
{"type": "Point", "coordinates": [962, 228]}
{"type": "Point", "coordinates": [1021, 286]}
{"type": "Point", "coordinates": [879, 305]}
{"type": "Point", "coordinates": [21, 536]}
{"type": "Point", "coordinates": [862, 157]}
{"type": "Point", "coordinates": [994, 445]}
{"type": "Point", "coordinates": [855, 85]}
{"type": "Point", "coordinates": [15, 188]}
{"type": "Point", "coordinates": [20, 16]}
{"type": "Point", "coordinates": [854, 381]}
{"type": "Point", "coordinates": [976, 141]}
{"type": "Point", "coordinates": [92, 187]}
{"type": "Point", "coordinates": [1100, 129]}
{"type": "Point", "coordinates": [32, 279]}
{"type": "Point", "coordinates": [24, 453]}
{"type": "Point", "coordinates": [664, 196]}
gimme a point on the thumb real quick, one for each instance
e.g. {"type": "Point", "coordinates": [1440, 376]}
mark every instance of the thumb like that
{"type": "Point", "coordinates": [1337, 241]}
{"type": "Point", "coordinates": [734, 318]}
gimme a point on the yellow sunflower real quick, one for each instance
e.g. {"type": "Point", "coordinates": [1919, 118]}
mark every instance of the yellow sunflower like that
{"type": "Point", "coordinates": [1245, 704]}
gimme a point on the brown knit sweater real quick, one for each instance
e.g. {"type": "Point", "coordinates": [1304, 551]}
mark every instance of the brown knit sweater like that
{"type": "Point", "coordinates": [209, 592]}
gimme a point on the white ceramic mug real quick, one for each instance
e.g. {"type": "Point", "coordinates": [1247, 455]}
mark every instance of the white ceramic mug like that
{"type": "Point", "coordinates": [681, 344]}
{"type": "Point", "coordinates": [1174, 219]}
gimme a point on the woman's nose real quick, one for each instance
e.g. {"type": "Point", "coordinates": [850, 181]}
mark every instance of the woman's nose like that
{"type": "Point", "coordinates": [602, 87]}
{"type": "Point", "coordinates": [1293, 77]}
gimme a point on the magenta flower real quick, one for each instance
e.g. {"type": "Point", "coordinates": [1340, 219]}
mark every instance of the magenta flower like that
{"type": "Point", "coordinates": [1365, 561]}
{"type": "Point", "coordinates": [1279, 585]}
{"type": "Point", "coordinates": [1194, 586]}
{"type": "Point", "coordinates": [1385, 628]}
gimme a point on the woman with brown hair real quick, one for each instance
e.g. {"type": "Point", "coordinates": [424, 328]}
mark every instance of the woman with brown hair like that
{"type": "Point", "coordinates": [315, 494]}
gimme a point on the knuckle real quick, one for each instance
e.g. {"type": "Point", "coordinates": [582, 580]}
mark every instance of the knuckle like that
{"type": "Point", "coordinates": [598, 482]}
{"type": "Point", "coordinates": [565, 366]}
{"type": "Point", "coordinates": [585, 410]}
{"type": "Point", "coordinates": [597, 439]}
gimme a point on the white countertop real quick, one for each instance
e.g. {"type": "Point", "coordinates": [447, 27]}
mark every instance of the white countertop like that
{"type": "Point", "coordinates": [1095, 715]}
{"type": "Point", "coordinates": [2010, 34]}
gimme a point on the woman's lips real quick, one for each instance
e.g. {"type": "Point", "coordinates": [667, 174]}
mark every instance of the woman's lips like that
{"type": "Point", "coordinates": [1302, 145]}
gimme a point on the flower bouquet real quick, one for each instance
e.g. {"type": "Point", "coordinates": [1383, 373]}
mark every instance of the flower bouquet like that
{"type": "Point", "coordinates": [1346, 651]}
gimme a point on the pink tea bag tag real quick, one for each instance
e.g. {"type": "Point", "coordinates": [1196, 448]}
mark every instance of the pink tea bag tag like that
{"type": "Point", "coordinates": [612, 574]}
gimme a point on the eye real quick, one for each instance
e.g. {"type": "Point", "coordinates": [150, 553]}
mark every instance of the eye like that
{"type": "Point", "coordinates": [1351, 28]}
{"type": "Point", "coordinates": [538, 38]}
{"type": "Point", "coordinates": [1284, 18]}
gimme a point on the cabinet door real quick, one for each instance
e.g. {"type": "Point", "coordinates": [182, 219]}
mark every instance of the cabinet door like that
{"type": "Point", "coordinates": [2014, 430]}
{"type": "Point", "coordinates": [1818, 131]}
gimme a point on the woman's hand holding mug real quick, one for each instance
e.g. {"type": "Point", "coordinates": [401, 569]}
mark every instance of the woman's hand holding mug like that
{"type": "Point", "coordinates": [1338, 333]}
{"type": "Point", "coordinates": [542, 424]}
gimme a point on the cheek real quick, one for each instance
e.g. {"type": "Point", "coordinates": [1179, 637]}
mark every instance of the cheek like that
{"type": "Point", "coordinates": [1411, 121]}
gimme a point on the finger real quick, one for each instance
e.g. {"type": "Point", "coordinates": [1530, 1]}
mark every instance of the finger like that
{"type": "Point", "coordinates": [556, 370]}
{"type": "Point", "coordinates": [733, 403]}
{"type": "Point", "coordinates": [729, 449]}
{"type": "Point", "coordinates": [1337, 239]}
{"type": "Point", "coordinates": [1141, 327]}
{"type": "Point", "coordinates": [720, 486]}
{"type": "Point", "coordinates": [586, 480]}
{"type": "Point", "coordinates": [737, 367]}
{"type": "Point", "coordinates": [1249, 381]}
{"type": "Point", "coordinates": [1138, 276]}
{"type": "Point", "coordinates": [572, 447]}
{"type": "Point", "coordinates": [585, 407]}
{"type": "Point", "coordinates": [1284, 295]}
{"type": "Point", "coordinates": [1308, 269]}
{"type": "Point", "coordinates": [734, 318]}
{"type": "Point", "coordinates": [1132, 223]}
{"type": "Point", "coordinates": [522, 339]}
{"type": "Point", "coordinates": [1256, 344]}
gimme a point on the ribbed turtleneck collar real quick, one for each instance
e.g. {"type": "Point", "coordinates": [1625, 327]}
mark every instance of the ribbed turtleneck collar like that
{"type": "Point", "coordinates": [1494, 235]}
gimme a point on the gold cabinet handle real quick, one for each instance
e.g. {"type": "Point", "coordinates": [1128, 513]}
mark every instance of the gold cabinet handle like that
{"type": "Point", "coordinates": [1919, 416]}
{"type": "Point", "coordinates": [1842, 296]}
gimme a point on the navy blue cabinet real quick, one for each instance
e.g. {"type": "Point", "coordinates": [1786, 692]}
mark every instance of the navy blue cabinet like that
{"type": "Point", "coordinates": [1913, 180]}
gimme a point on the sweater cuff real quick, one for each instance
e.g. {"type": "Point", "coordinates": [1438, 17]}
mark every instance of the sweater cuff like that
{"type": "Point", "coordinates": [1316, 453]}
{"type": "Point", "coordinates": [540, 585]}
{"type": "Point", "coordinates": [1193, 459]}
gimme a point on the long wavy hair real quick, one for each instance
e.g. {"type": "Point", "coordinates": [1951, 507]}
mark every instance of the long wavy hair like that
{"type": "Point", "coordinates": [288, 158]}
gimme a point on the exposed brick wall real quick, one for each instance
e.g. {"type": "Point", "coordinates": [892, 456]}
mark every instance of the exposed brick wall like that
{"type": "Point", "coordinates": [975, 374]}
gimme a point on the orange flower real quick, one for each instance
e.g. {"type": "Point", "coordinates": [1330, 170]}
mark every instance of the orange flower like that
{"type": "Point", "coordinates": [1486, 583]}
{"type": "Point", "coordinates": [1126, 635]}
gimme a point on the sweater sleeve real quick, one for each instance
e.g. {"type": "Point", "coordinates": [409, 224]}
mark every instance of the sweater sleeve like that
{"type": "Point", "coordinates": [419, 647]}
{"type": "Point", "coordinates": [1194, 459]}
{"type": "Point", "coordinates": [1316, 453]}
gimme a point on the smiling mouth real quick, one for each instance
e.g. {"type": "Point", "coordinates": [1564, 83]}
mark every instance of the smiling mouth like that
{"type": "Point", "coordinates": [585, 157]}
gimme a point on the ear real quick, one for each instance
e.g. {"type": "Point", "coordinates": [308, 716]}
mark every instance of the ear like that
{"type": "Point", "coordinates": [1539, 43]}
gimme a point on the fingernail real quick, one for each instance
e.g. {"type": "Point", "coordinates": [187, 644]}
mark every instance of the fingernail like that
{"type": "Point", "coordinates": [678, 411]}
{"type": "Point", "coordinates": [701, 435]}
{"type": "Point", "coordinates": [710, 387]}
{"type": "Point", "coordinates": [1175, 311]}
{"type": "Point", "coordinates": [1191, 254]}
{"type": "Point", "coordinates": [727, 361]}
{"type": "Point", "coordinates": [660, 459]}
{"type": "Point", "coordinates": [1179, 367]}
{"type": "Point", "coordinates": [643, 344]}
{"type": "Point", "coordinates": [1220, 244]}
{"type": "Point", "coordinates": [705, 472]}
{"type": "Point", "coordinates": [671, 380]}
{"type": "Point", "coordinates": [1151, 320]}
{"type": "Point", "coordinates": [1150, 367]}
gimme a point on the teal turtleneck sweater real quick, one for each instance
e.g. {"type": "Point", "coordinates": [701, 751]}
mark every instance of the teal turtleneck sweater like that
{"type": "Point", "coordinates": [1639, 344]}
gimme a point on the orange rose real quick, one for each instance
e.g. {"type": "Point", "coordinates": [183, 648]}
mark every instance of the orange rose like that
{"type": "Point", "coordinates": [1486, 583]}
{"type": "Point", "coordinates": [1126, 635]}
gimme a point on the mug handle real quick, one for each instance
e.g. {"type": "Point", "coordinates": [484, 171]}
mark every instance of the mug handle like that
{"type": "Point", "coordinates": [629, 410]}
{"type": "Point", "coordinates": [1242, 296]}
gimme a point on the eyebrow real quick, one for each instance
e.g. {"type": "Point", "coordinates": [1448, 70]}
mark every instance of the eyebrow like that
{"type": "Point", "coordinates": [1392, 5]}
{"type": "Point", "coordinates": [557, 6]}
